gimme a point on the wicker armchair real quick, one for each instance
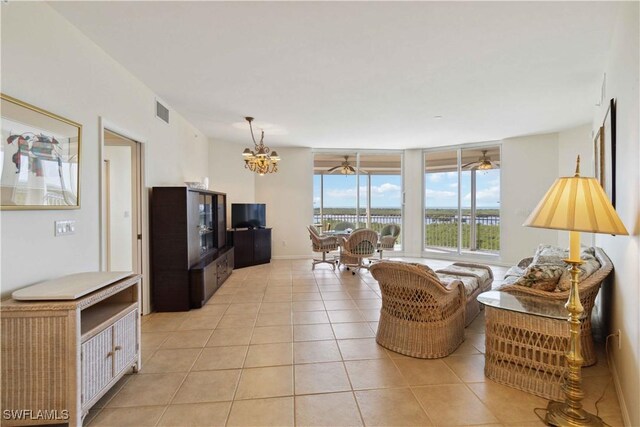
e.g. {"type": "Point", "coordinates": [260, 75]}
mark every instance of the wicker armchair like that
{"type": "Point", "coordinates": [388, 236]}
{"type": "Point", "coordinates": [588, 290]}
{"type": "Point", "coordinates": [420, 316]}
{"type": "Point", "coordinates": [324, 245]}
{"type": "Point", "coordinates": [359, 245]}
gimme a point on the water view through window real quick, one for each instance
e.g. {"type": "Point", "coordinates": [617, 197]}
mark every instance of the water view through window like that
{"type": "Point", "coordinates": [462, 200]}
{"type": "Point", "coordinates": [357, 190]}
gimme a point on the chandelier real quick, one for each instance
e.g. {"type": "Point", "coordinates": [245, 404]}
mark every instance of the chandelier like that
{"type": "Point", "coordinates": [262, 160]}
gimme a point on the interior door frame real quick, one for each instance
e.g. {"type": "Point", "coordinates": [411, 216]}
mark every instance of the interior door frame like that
{"type": "Point", "coordinates": [143, 203]}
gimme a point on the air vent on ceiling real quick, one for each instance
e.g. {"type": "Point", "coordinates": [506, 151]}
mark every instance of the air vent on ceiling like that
{"type": "Point", "coordinates": [162, 112]}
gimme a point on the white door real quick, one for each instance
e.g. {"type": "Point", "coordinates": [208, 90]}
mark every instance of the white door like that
{"type": "Point", "coordinates": [123, 221]}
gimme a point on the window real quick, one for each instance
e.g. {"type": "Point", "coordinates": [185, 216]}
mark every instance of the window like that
{"type": "Point", "coordinates": [462, 200]}
{"type": "Point", "coordinates": [361, 188]}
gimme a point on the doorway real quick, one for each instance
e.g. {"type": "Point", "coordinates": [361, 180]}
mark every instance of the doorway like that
{"type": "Point", "coordinates": [122, 172]}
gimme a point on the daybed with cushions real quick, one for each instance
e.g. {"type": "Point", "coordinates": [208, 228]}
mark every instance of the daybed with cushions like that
{"type": "Point", "coordinates": [545, 275]}
{"type": "Point", "coordinates": [423, 312]}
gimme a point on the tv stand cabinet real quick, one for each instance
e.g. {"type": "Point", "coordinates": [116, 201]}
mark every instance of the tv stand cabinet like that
{"type": "Point", "coordinates": [251, 246]}
{"type": "Point", "coordinates": [65, 343]}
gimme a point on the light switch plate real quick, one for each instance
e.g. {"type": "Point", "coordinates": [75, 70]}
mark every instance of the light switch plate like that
{"type": "Point", "coordinates": [64, 228]}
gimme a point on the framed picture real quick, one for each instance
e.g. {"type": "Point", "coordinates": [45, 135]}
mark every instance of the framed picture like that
{"type": "Point", "coordinates": [608, 161]}
{"type": "Point", "coordinates": [598, 155]}
{"type": "Point", "coordinates": [39, 158]}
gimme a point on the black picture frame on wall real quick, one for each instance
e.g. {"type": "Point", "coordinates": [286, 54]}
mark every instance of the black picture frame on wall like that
{"type": "Point", "coordinates": [605, 153]}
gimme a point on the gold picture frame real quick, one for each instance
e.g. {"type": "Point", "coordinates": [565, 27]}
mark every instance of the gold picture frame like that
{"type": "Point", "coordinates": [39, 158]}
{"type": "Point", "coordinates": [598, 156]}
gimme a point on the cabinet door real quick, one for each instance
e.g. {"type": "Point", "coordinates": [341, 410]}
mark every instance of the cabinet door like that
{"type": "Point", "coordinates": [262, 249]}
{"type": "Point", "coordinates": [125, 341]}
{"type": "Point", "coordinates": [193, 226]}
{"type": "Point", "coordinates": [243, 243]}
{"type": "Point", "coordinates": [96, 364]}
{"type": "Point", "coordinates": [221, 219]}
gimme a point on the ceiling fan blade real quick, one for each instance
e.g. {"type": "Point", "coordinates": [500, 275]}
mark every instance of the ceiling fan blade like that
{"type": "Point", "coordinates": [469, 164]}
{"type": "Point", "coordinates": [495, 165]}
{"type": "Point", "coordinates": [333, 168]}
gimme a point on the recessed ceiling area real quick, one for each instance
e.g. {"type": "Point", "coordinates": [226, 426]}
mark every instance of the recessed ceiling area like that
{"type": "Point", "coordinates": [362, 74]}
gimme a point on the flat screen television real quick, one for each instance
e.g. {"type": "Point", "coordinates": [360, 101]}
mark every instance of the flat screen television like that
{"type": "Point", "coordinates": [248, 215]}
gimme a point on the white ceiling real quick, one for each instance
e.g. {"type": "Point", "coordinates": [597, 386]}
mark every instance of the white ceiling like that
{"type": "Point", "coordinates": [362, 74]}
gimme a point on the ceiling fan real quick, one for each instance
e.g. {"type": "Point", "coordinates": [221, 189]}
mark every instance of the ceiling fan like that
{"type": "Point", "coordinates": [344, 168]}
{"type": "Point", "coordinates": [483, 163]}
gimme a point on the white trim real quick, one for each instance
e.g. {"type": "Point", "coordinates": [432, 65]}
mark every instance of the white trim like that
{"type": "Point", "coordinates": [105, 124]}
{"type": "Point", "coordinates": [616, 382]}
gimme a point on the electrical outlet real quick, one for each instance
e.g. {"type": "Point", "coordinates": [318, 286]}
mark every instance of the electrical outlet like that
{"type": "Point", "coordinates": [284, 243]}
{"type": "Point", "coordinates": [619, 339]}
{"type": "Point", "coordinates": [64, 228]}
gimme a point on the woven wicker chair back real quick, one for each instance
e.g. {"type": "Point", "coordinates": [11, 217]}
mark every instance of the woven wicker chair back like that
{"type": "Point", "coordinates": [362, 243]}
{"type": "Point", "coordinates": [322, 244]}
{"type": "Point", "coordinates": [313, 230]}
{"type": "Point", "coordinates": [420, 317]}
{"type": "Point", "coordinates": [390, 230]}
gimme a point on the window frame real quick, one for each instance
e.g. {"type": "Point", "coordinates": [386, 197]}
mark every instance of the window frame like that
{"type": "Point", "coordinates": [458, 253]}
{"type": "Point", "coordinates": [357, 153]}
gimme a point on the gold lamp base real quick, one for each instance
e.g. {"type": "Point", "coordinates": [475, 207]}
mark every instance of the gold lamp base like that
{"type": "Point", "coordinates": [562, 415]}
{"type": "Point", "coordinates": [570, 413]}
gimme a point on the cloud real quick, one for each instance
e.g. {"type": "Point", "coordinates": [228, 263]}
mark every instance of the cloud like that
{"type": "Point", "coordinates": [453, 185]}
{"type": "Point", "coordinates": [435, 177]}
{"type": "Point", "coordinates": [387, 187]}
{"type": "Point", "coordinates": [491, 193]}
{"type": "Point", "coordinates": [439, 193]}
{"type": "Point", "coordinates": [488, 194]}
{"type": "Point", "coordinates": [342, 193]}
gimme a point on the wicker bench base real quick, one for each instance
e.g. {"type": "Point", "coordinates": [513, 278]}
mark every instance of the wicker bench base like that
{"type": "Point", "coordinates": [526, 352]}
{"type": "Point", "coordinates": [422, 340]}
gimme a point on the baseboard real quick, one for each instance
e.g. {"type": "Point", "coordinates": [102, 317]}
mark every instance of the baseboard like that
{"type": "Point", "coordinates": [616, 382]}
{"type": "Point", "coordinates": [292, 257]}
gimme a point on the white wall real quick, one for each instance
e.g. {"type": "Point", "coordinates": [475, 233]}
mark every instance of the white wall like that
{"type": "Point", "coordinates": [289, 198]}
{"type": "Point", "coordinates": [228, 175]}
{"type": "Point", "coordinates": [289, 193]}
{"type": "Point", "coordinates": [529, 167]}
{"type": "Point", "coordinates": [571, 143]}
{"type": "Point", "coordinates": [413, 203]}
{"type": "Point", "coordinates": [120, 208]}
{"type": "Point", "coordinates": [622, 73]}
{"type": "Point", "coordinates": [55, 67]}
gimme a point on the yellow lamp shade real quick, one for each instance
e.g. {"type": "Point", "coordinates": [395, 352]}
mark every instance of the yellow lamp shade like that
{"type": "Point", "coordinates": [578, 204]}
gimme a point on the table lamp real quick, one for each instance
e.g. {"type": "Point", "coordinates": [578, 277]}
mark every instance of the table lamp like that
{"type": "Point", "coordinates": [578, 204]}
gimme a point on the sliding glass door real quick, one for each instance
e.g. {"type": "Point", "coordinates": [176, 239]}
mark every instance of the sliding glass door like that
{"type": "Point", "coordinates": [361, 189]}
{"type": "Point", "coordinates": [462, 200]}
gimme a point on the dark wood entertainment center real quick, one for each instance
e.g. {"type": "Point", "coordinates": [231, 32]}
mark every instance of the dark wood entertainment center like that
{"type": "Point", "coordinates": [252, 246]}
{"type": "Point", "coordinates": [190, 255]}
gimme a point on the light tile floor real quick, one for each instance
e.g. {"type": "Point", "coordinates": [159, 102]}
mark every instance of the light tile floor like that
{"type": "Point", "coordinates": [281, 345]}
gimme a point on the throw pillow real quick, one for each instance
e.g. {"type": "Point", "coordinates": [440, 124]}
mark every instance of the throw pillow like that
{"type": "Point", "coordinates": [590, 266]}
{"type": "Point", "coordinates": [543, 277]}
{"type": "Point", "coordinates": [547, 254]}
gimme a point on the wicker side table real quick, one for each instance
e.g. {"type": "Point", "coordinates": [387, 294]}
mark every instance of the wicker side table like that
{"type": "Point", "coordinates": [526, 341]}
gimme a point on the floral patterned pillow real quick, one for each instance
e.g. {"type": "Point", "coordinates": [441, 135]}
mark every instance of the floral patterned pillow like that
{"type": "Point", "coordinates": [543, 277]}
{"type": "Point", "coordinates": [547, 254]}
{"type": "Point", "coordinates": [590, 266]}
